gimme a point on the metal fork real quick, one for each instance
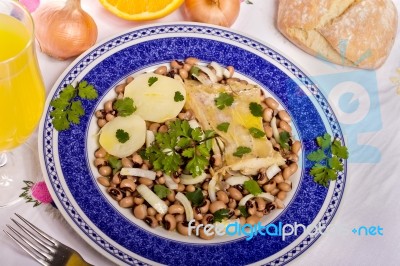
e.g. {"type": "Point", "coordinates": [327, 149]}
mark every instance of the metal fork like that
{"type": "Point", "coordinates": [42, 247]}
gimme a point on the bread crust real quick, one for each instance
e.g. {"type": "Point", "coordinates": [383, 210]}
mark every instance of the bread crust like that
{"type": "Point", "coordinates": [357, 33]}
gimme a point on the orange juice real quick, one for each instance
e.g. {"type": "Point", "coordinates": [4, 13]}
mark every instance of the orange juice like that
{"type": "Point", "coordinates": [21, 87]}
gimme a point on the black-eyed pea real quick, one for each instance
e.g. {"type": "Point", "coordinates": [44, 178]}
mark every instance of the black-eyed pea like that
{"type": "Point", "coordinates": [183, 73]}
{"type": "Point", "coordinates": [285, 126]}
{"type": "Point", "coordinates": [140, 211]}
{"type": "Point", "coordinates": [242, 220]}
{"type": "Point", "coordinates": [293, 167]}
{"type": "Point", "coordinates": [169, 222]}
{"type": "Point", "coordinates": [208, 219]}
{"type": "Point", "coordinates": [217, 205]}
{"type": "Point", "coordinates": [205, 186]}
{"type": "Point", "coordinates": [98, 162]}
{"type": "Point", "coordinates": [137, 159]}
{"type": "Point", "coordinates": [190, 188]}
{"type": "Point", "coordinates": [259, 214]}
{"type": "Point", "coordinates": [151, 211]}
{"type": "Point", "coordinates": [232, 204]}
{"type": "Point", "coordinates": [161, 70]}
{"type": "Point", "coordinates": [235, 194]}
{"type": "Point", "coordinates": [271, 103]}
{"type": "Point", "coordinates": [126, 162]}
{"type": "Point", "coordinates": [279, 204]}
{"type": "Point", "coordinates": [104, 181]}
{"type": "Point", "coordinates": [260, 204]}
{"type": "Point", "coordinates": [101, 122]}
{"type": "Point", "coordinates": [268, 130]}
{"type": "Point", "coordinates": [274, 192]}
{"type": "Point", "coordinates": [129, 80]}
{"type": "Point", "coordinates": [138, 200]}
{"type": "Point", "coordinates": [182, 228]}
{"type": "Point", "coordinates": [154, 127]}
{"type": "Point", "coordinates": [105, 170]}
{"type": "Point", "coordinates": [191, 61]}
{"type": "Point", "coordinates": [100, 153]}
{"type": "Point", "coordinates": [159, 217]}
{"type": "Point", "coordinates": [296, 146]}
{"type": "Point", "coordinates": [151, 221]}
{"type": "Point", "coordinates": [267, 114]}
{"type": "Point", "coordinates": [171, 196]}
{"type": "Point", "coordinates": [281, 195]}
{"type": "Point", "coordinates": [231, 70]}
{"type": "Point", "coordinates": [187, 67]}
{"type": "Point", "coordinates": [100, 113]}
{"type": "Point", "coordinates": [206, 233]}
{"type": "Point", "coordinates": [120, 88]}
{"type": "Point", "coordinates": [175, 64]}
{"type": "Point", "coordinates": [145, 181]}
{"type": "Point", "coordinates": [205, 206]}
{"type": "Point", "coordinates": [278, 178]}
{"type": "Point", "coordinates": [271, 185]}
{"type": "Point", "coordinates": [222, 196]}
{"type": "Point", "coordinates": [253, 219]}
{"type": "Point", "coordinates": [180, 217]}
{"type": "Point", "coordinates": [287, 173]}
{"type": "Point", "coordinates": [181, 188]}
{"type": "Point", "coordinates": [283, 115]}
{"type": "Point", "coordinates": [176, 209]}
{"type": "Point", "coordinates": [126, 202]}
{"type": "Point", "coordinates": [197, 215]}
{"type": "Point", "coordinates": [108, 106]}
{"type": "Point", "coordinates": [128, 185]}
{"type": "Point", "coordinates": [284, 187]}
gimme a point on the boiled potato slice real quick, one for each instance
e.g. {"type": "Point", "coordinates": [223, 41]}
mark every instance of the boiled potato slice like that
{"type": "Point", "coordinates": [134, 125]}
{"type": "Point", "coordinates": [154, 96]}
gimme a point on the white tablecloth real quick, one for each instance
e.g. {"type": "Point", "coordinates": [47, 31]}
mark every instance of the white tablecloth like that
{"type": "Point", "coordinates": [369, 113]}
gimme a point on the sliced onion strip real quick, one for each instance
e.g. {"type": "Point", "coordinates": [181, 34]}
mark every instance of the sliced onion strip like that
{"type": "Point", "coordinates": [209, 73]}
{"type": "Point", "coordinates": [275, 129]}
{"type": "Point", "coordinates": [139, 172]}
{"type": "Point", "coordinates": [149, 138]}
{"type": "Point", "coordinates": [245, 199]}
{"type": "Point", "coordinates": [264, 195]}
{"type": "Point", "coordinates": [170, 183]}
{"type": "Point", "coordinates": [186, 204]}
{"type": "Point", "coordinates": [190, 180]}
{"type": "Point", "coordinates": [218, 69]}
{"type": "Point", "coordinates": [155, 202]}
{"type": "Point", "coordinates": [272, 171]}
{"type": "Point", "coordinates": [237, 180]}
{"type": "Point", "coordinates": [211, 189]}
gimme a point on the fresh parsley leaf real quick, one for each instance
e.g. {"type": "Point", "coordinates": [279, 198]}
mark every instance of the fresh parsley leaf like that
{"type": "Point", "coordinates": [339, 150]}
{"type": "Point", "coordinates": [194, 71]}
{"type": "Point", "coordinates": [196, 197]}
{"type": "Point", "coordinates": [256, 109]}
{"type": "Point", "coordinates": [243, 211]}
{"type": "Point", "coordinates": [223, 100]}
{"type": "Point", "coordinates": [178, 97]}
{"type": "Point", "coordinates": [181, 147]}
{"type": "Point", "coordinates": [317, 156]}
{"type": "Point", "coordinates": [87, 91]}
{"type": "Point", "coordinates": [328, 159]}
{"type": "Point", "coordinates": [325, 141]}
{"type": "Point", "coordinates": [68, 108]}
{"type": "Point", "coordinates": [122, 135]}
{"type": "Point", "coordinates": [252, 187]}
{"type": "Point", "coordinates": [223, 127]}
{"type": "Point", "coordinates": [241, 150]}
{"type": "Point", "coordinates": [152, 80]}
{"type": "Point", "coordinates": [125, 106]}
{"type": "Point", "coordinates": [161, 191]}
{"type": "Point", "coordinates": [115, 163]}
{"type": "Point", "coordinates": [284, 138]}
{"type": "Point", "coordinates": [220, 215]}
{"type": "Point", "coordinates": [256, 133]}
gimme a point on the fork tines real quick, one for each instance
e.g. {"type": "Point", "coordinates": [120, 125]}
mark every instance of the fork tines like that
{"type": "Point", "coordinates": [39, 245]}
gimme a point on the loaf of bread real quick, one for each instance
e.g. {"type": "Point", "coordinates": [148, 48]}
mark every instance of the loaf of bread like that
{"type": "Point", "coordinates": [358, 33]}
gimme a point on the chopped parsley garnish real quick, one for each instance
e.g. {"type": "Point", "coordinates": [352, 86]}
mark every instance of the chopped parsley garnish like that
{"type": "Point", "coordinates": [68, 107]}
{"type": "Point", "coordinates": [223, 127]}
{"type": "Point", "coordinates": [115, 163]}
{"type": "Point", "coordinates": [252, 187]}
{"type": "Point", "coordinates": [241, 150]}
{"type": "Point", "coordinates": [194, 71]}
{"type": "Point", "coordinates": [161, 191]}
{"type": "Point", "coordinates": [178, 97]}
{"type": "Point", "coordinates": [223, 100]}
{"type": "Point", "coordinates": [152, 80]}
{"type": "Point", "coordinates": [284, 138]}
{"type": "Point", "coordinates": [220, 215]}
{"type": "Point", "coordinates": [256, 109]}
{"type": "Point", "coordinates": [243, 211]}
{"type": "Point", "coordinates": [125, 106]}
{"type": "Point", "coordinates": [122, 136]}
{"type": "Point", "coordinates": [256, 133]}
{"type": "Point", "coordinates": [181, 146]}
{"type": "Point", "coordinates": [328, 159]}
{"type": "Point", "coordinates": [196, 197]}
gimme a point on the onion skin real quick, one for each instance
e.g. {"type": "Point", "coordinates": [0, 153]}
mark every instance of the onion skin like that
{"type": "Point", "coordinates": [217, 12]}
{"type": "Point", "coordinates": [64, 30]}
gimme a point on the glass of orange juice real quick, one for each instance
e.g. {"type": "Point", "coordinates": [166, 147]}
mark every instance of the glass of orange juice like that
{"type": "Point", "coordinates": [22, 95]}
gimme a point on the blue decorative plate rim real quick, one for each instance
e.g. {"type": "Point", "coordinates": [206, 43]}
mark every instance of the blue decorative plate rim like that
{"type": "Point", "coordinates": [79, 215]}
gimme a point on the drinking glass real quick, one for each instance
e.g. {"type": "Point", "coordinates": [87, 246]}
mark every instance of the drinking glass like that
{"type": "Point", "coordinates": [22, 95]}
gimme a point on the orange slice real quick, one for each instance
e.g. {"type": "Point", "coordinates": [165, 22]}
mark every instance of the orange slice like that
{"type": "Point", "coordinates": [141, 9]}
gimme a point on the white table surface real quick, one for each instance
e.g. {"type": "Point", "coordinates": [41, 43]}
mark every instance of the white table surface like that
{"type": "Point", "coordinates": [371, 197]}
